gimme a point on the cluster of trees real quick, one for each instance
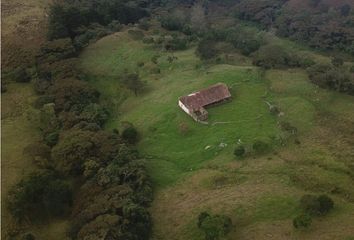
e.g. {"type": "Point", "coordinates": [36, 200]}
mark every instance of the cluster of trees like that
{"type": "Point", "coordinates": [243, 39]}
{"type": "Point", "coordinates": [72, 18]}
{"type": "Point", "coordinates": [275, 56]}
{"type": "Point", "coordinates": [312, 206]}
{"type": "Point", "coordinates": [76, 157]}
{"type": "Point", "coordinates": [333, 76]}
{"type": "Point", "coordinates": [319, 25]}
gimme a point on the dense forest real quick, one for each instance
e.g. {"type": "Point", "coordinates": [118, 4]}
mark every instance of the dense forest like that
{"type": "Point", "coordinates": [98, 178]}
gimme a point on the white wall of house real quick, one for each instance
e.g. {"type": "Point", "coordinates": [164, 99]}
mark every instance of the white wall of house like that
{"type": "Point", "coordinates": [183, 107]}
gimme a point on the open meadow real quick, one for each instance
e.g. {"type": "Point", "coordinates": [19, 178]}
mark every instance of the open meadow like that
{"type": "Point", "coordinates": [192, 165]}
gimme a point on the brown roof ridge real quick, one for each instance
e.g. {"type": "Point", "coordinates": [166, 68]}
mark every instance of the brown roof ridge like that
{"type": "Point", "coordinates": [207, 96]}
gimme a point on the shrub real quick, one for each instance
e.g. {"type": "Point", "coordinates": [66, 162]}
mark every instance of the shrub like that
{"type": "Point", "coordinates": [130, 134]}
{"type": "Point", "coordinates": [260, 147]}
{"type": "Point", "coordinates": [148, 40]}
{"type": "Point", "coordinates": [20, 75]}
{"type": "Point", "coordinates": [326, 204]}
{"type": "Point", "coordinates": [72, 93]}
{"type": "Point", "coordinates": [115, 26]}
{"type": "Point", "coordinates": [337, 61]}
{"type": "Point", "coordinates": [310, 204]}
{"type": "Point", "coordinates": [239, 151]}
{"type": "Point", "coordinates": [144, 24]}
{"type": "Point", "coordinates": [302, 221]}
{"type": "Point", "coordinates": [133, 82]}
{"type": "Point", "coordinates": [41, 194]}
{"type": "Point", "coordinates": [331, 77]}
{"type": "Point", "coordinates": [273, 56]}
{"type": "Point", "coordinates": [176, 43]}
{"type": "Point", "coordinates": [206, 49]}
{"type": "Point", "coordinates": [316, 205]}
{"type": "Point", "coordinates": [172, 23]}
{"type": "Point", "coordinates": [214, 226]}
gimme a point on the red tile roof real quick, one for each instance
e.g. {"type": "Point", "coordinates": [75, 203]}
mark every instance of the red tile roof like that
{"type": "Point", "coordinates": [205, 97]}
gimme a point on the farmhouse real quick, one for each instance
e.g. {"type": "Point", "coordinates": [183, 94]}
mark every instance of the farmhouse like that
{"type": "Point", "coordinates": [195, 103]}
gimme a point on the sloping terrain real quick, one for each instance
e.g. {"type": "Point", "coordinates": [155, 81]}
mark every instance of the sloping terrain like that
{"type": "Point", "coordinates": [192, 168]}
{"type": "Point", "coordinates": [23, 30]}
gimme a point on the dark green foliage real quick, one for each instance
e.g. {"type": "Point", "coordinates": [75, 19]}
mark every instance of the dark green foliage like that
{"type": "Point", "coordinates": [302, 221]}
{"type": "Point", "coordinates": [263, 12]}
{"type": "Point", "coordinates": [137, 220]}
{"type": "Point", "coordinates": [72, 94]}
{"type": "Point", "coordinates": [316, 205]}
{"type": "Point", "coordinates": [273, 56]}
{"type": "Point", "coordinates": [39, 154]}
{"type": "Point", "coordinates": [214, 226]}
{"type": "Point", "coordinates": [260, 147]}
{"type": "Point", "coordinates": [316, 26]}
{"type": "Point", "coordinates": [91, 34]}
{"type": "Point", "coordinates": [172, 23]}
{"type": "Point", "coordinates": [247, 41]}
{"type": "Point", "coordinates": [41, 194]}
{"type": "Point", "coordinates": [176, 43]}
{"type": "Point", "coordinates": [130, 134]}
{"type": "Point", "coordinates": [67, 17]}
{"type": "Point", "coordinates": [337, 61]}
{"type": "Point", "coordinates": [331, 77]}
{"type": "Point", "coordinates": [144, 24]}
{"type": "Point", "coordinates": [239, 151]}
{"type": "Point", "coordinates": [115, 26]}
{"type": "Point", "coordinates": [310, 204]}
{"type": "Point", "coordinates": [43, 100]}
{"type": "Point", "coordinates": [20, 75]}
{"type": "Point", "coordinates": [345, 10]}
{"type": "Point", "coordinates": [326, 204]}
{"type": "Point", "coordinates": [202, 216]}
{"type": "Point", "coordinates": [28, 236]}
{"type": "Point", "coordinates": [206, 49]}
{"type": "Point", "coordinates": [133, 82]}
{"type": "Point", "coordinates": [351, 69]}
{"type": "Point", "coordinates": [76, 146]}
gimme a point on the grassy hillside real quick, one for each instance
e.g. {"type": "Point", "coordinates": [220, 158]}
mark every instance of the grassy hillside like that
{"type": "Point", "coordinates": [23, 30]}
{"type": "Point", "coordinates": [192, 172]}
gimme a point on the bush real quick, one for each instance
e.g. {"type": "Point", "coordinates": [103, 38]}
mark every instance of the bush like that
{"type": "Point", "coordinates": [172, 23]}
{"type": "Point", "coordinates": [41, 194]}
{"type": "Point", "coordinates": [260, 147]}
{"type": "Point", "coordinates": [144, 24]}
{"type": "Point", "coordinates": [207, 49]}
{"type": "Point", "coordinates": [130, 134]}
{"type": "Point", "coordinates": [302, 221]}
{"type": "Point", "coordinates": [214, 226]}
{"type": "Point", "coordinates": [20, 75]}
{"type": "Point", "coordinates": [115, 26]}
{"type": "Point", "coordinates": [176, 43]}
{"type": "Point", "coordinates": [73, 94]}
{"type": "Point", "coordinates": [239, 151]}
{"type": "Point", "coordinates": [326, 204]}
{"type": "Point", "coordinates": [316, 205]}
{"type": "Point", "coordinates": [331, 77]}
{"type": "Point", "coordinates": [273, 56]}
{"type": "Point", "coordinates": [337, 61]}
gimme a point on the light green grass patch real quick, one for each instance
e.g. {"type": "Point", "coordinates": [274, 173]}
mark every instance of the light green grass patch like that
{"type": "Point", "coordinates": [157, 116]}
{"type": "Point", "coordinates": [271, 208]}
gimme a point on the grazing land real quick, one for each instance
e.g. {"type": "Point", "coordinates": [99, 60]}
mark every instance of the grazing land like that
{"type": "Point", "coordinates": [194, 170]}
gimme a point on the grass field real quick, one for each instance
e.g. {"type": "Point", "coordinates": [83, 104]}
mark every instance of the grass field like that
{"type": "Point", "coordinates": [193, 173]}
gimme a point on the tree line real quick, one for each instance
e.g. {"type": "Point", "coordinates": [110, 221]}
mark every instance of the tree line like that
{"type": "Point", "coordinates": [94, 177]}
